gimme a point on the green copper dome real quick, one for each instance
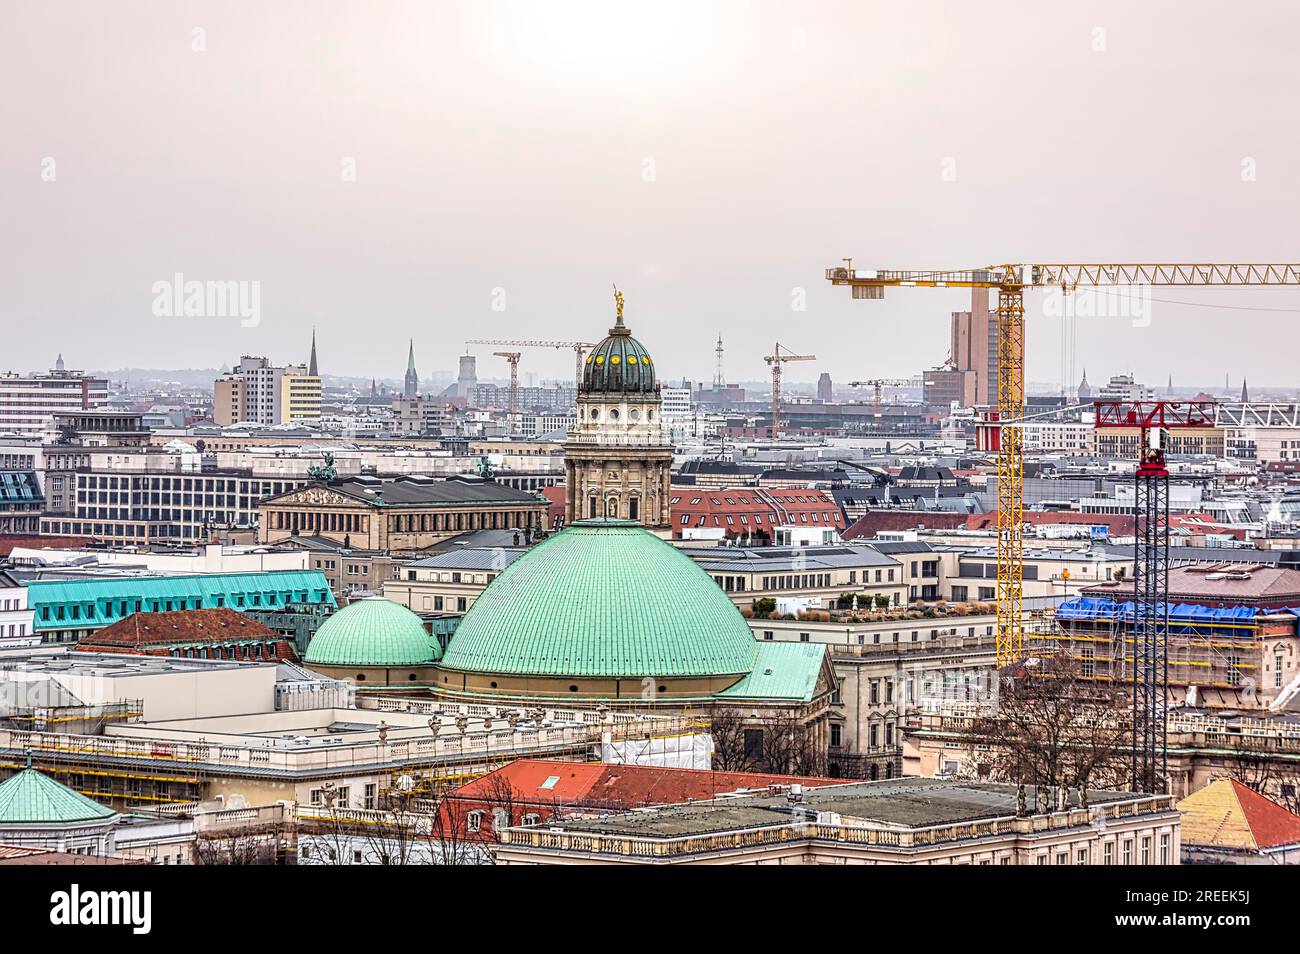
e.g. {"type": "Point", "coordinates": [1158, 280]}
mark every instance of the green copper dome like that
{"type": "Point", "coordinates": [372, 632]}
{"type": "Point", "coordinates": [33, 798]}
{"type": "Point", "coordinates": [604, 598]}
{"type": "Point", "coordinates": [619, 365]}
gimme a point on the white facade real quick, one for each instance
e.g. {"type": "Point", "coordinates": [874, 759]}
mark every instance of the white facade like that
{"type": "Point", "coordinates": [1057, 437]}
{"type": "Point", "coordinates": [16, 618]}
{"type": "Point", "coordinates": [1266, 433]}
{"type": "Point", "coordinates": [28, 401]}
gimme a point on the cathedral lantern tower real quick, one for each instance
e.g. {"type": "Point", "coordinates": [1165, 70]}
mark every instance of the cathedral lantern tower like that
{"type": "Point", "coordinates": [618, 457]}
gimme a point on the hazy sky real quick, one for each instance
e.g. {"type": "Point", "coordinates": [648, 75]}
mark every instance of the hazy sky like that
{"type": "Point", "coordinates": [450, 170]}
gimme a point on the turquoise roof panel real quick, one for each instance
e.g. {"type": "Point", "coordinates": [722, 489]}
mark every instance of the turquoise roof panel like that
{"type": "Point", "coordinates": [604, 598]}
{"type": "Point", "coordinates": [59, 604]}
{"type": "Point", "coordinates": [33, 798]}
{"type": "Point", "coordinates": [782, 670]}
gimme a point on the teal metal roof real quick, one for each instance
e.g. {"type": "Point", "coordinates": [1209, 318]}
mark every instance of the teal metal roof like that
{"type": "Point", "coordinates": [782, 671]}
{"type": "Point", "coordinates": [604, 598]}
{"type": "Point", "coordinates": [373, 632]}
{"type": "Point", "coordinates": [33, 798]}
{"type": "Point", "coordinates": [65, 604]}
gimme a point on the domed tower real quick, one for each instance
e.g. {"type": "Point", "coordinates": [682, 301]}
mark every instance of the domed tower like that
{"type": "Point", "coordinates": [618, 458]}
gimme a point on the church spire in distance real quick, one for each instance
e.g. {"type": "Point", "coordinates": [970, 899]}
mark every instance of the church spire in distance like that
{"type": "Point", "coordinates": [411, 385]}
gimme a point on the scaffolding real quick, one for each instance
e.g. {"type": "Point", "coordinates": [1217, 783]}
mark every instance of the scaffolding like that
{"type": "Point", "coordinates": [1211, 648]}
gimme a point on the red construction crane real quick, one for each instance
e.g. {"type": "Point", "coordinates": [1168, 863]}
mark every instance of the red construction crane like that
{"type": "Point", "coordinates": [1152, 420]}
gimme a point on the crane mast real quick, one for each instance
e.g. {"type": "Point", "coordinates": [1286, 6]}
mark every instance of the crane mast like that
{"type": "Point", "coordinates": [580, 348]}
{"type": "Point", "coordinates": [776, 359]}
{"type": "Point", "coordinates": [1010, 282]}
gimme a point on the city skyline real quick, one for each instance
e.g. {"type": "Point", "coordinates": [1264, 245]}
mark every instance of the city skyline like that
{"type": "Point", "coordinates": [489, 168]}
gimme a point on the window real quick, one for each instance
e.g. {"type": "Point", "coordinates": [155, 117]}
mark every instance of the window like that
{"type": "Point", "coordinates": [474, 820]}
{"type": "Point", "coordinates": [837, 734]}
{"type": "Point", "coordinates": [1108, 853]}
{"type": "Point", "coordinates": [1146, 850]}
{"type": "Point", "coordinates": [1127, 855]}
{"type": "Point", "coordinates": [1164, 849]}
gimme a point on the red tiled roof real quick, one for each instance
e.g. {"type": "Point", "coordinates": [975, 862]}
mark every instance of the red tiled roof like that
{"type": "Point", "coordinates": [141, 632]}
{"type": "Point", "coordinates": [1271, 823]}
{"type": "Point", "coordinates": [621, 786]}
{"type": "Point", "coordinates": [1227, 814]}
{"type": "Point", "coordinates": [874, 521]}
{"type": "Point", "coordinates": [743, 510]}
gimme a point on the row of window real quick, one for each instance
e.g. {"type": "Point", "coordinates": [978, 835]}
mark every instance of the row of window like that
{"type": "Point", "coordinates": [108, 609]}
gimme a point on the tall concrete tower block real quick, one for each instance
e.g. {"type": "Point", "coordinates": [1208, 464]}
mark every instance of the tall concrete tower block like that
{"type": "Point", "coordinates": [974, 345]}
{"type": "Point", "coordinates": [467, 379]}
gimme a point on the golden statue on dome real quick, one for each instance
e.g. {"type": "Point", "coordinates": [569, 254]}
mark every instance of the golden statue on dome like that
{"type": "Point", "coordinates": [618, 303]}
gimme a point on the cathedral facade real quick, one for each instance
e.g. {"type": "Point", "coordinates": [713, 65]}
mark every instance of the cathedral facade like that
{"type": "Point", "coordinates": [618, 458]}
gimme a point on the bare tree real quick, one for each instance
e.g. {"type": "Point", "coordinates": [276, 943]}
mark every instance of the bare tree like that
{"type": "Point", "coordinates": [791, 748]}
{"type": "Point", "coordinates": [1053, 728]}
{"type": "Point", "coordinates": [239, 847]}
{"type": "Point", "coordinates": [732, 751]}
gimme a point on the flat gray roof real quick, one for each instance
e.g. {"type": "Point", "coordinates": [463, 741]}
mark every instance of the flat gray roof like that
{"type": "Point", "coordinates": [905, 803]}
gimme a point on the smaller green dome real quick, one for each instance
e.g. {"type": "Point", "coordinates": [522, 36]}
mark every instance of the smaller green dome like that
{"type": "Point", "coordinates": [33, 798]}
{"type": "Point", "coordinates": [373, 632]}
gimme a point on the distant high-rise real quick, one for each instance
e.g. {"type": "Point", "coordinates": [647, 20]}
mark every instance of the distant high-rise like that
{"type": "Point", "coordinates": [411, 384]}
{"type": "Point", "coordinates": [467, 379]}
{"type": "Point", "coordinates": [825, 390]}
{"type": "Point", "coordinates": [28, 401]}
{"type": "Point", "coordinates": [260, 393]}
{"type": "Point", "coordinates": [974, 349]}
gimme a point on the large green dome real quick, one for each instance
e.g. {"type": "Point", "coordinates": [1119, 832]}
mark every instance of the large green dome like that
{"type": "Point", "coordinates": [372, 632]}
{"type": "Point", "coordinates": [619, 365]}
{"type": "Point", "coordinates": [604, 598]}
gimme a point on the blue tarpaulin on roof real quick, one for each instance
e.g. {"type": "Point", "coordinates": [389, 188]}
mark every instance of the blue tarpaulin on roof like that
{"type": "Point", "coordinates": [1102, 609]}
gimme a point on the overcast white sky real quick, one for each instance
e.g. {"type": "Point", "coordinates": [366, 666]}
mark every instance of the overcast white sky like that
{"type": "Point", "coordinates": [710, 158]}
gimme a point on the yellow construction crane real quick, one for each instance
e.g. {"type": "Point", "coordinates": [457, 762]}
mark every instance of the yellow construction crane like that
{"type": "Point", "coordinates": [580, 348]}
{"type": "Point", "coordinates": [513, 357]}
{"type": "Point", "coordinates": [1011, 282]}
{"type": "Point", "coordinates": [879, 383]}
{"type": "Point", "coordinates": [776, 359]}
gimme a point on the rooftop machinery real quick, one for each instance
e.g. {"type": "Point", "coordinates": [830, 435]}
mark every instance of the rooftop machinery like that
{"type": "Point", "coordinates": [1010, 281]}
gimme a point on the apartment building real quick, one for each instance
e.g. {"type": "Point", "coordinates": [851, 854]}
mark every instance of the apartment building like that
{"type": "Point", "coordinates": [29, 401]}
{"type": "Point", "coordinates": [257, 392]}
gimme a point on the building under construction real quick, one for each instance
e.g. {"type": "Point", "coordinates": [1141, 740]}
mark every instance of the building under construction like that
{"type": "Point", "coordinates": [1232, 640]}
